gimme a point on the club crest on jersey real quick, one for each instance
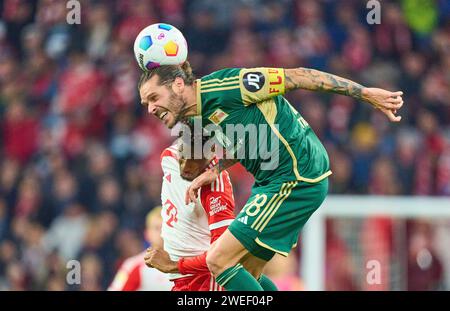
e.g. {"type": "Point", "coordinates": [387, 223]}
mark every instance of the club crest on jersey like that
{"type": "Point", "coordinates": [218, 116]}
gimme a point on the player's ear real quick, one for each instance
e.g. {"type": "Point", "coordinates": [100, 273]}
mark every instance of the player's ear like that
{"type": "Point", "coordinates": [178, 85]}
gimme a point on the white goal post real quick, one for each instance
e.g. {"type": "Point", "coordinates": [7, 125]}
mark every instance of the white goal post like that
{"type": "Point", "coordinates": [336, 206]}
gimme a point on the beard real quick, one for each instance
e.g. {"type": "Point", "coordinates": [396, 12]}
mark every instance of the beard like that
{"type": "Point", "coordinates": [177, 106]}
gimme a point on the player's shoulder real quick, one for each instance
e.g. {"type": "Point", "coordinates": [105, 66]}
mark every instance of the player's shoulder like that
{"type": "Point", "coordinates": [221, 74]}
{"type": "Point", "coordinates": [169, 161]}
{"type": "Point", "coordinates": [170, 152]}
{"type": "Point", "coordinates": [218, 89]}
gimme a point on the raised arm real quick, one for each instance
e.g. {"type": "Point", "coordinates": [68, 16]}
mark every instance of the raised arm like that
{"type": "Point", "coordinates": [315, 80]}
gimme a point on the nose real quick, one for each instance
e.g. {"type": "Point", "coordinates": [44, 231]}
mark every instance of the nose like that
{"type": "Point", "coordinates": [151, 109]}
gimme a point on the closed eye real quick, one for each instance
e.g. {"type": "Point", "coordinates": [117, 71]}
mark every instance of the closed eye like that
{"type": "Point", "coordinates": [151, 98]}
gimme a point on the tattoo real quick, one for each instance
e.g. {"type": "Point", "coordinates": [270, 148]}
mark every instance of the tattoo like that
{"type": "Point", "coordinates": [314, 80]}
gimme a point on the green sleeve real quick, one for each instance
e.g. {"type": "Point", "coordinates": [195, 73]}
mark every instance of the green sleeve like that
{"type": "Point", "coordinates": [237, 87]}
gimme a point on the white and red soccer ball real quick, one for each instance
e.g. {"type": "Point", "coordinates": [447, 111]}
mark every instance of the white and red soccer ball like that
{"type": "Point", "coordinates": [160, 44]}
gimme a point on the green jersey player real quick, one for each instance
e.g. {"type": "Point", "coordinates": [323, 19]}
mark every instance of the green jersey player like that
{"type": "Point", "coordinates": [291, 185]}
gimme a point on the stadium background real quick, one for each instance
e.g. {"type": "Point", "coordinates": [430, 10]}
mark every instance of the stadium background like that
{"type": "Point", "coordinates": [79, 157]}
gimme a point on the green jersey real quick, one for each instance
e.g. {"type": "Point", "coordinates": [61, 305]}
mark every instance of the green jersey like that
{"type": "Point", "coordinates": [259, 126]}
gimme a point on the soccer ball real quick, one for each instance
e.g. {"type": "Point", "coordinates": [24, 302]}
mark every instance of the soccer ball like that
{"type": "Point", "coordinates": [160, 44]}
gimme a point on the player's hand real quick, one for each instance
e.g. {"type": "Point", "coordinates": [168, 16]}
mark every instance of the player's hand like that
{"type": "Point", "coordinates": [160, 260]}
{"type": "Point", "coordinates": [388, 102]}
{"type": "Point", "coordinates": [206, 178]}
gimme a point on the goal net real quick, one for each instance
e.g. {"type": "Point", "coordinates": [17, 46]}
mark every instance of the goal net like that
{"type": "Point", "coordinates": [377, 243]}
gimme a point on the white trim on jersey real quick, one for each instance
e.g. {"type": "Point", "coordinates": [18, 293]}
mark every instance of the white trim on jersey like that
{"type": "Point", "coordinates": [214, 185]}
{"type": "Point", "coordinates": [213, 163]}
{"type": "Point", "coordinates": [229, 182]}
{"type": "Point", "coordinates": [213, 285]}
{"type": "Point", "coordinates": [218, 184]}
{"type": "Point", "coordinates": [220, 224]}
{"type": "Point", "coordinates": [222, 188]}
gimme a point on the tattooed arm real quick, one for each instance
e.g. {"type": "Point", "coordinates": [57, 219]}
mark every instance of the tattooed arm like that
{"type": "Point", "coordinates": [314, 80]}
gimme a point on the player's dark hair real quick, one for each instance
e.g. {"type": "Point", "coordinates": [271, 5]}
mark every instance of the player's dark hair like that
{"type": "Point", "coordinates": [168, 73]}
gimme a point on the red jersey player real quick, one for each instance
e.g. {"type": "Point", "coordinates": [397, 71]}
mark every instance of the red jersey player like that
{"type": "Point", "coordinates": [133, 275]}
{"type": "Point", "coordinates": [188, 230]}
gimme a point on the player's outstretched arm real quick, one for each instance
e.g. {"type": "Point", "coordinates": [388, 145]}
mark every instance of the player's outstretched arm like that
{"type": "Point", "coordinates": [315, 80]}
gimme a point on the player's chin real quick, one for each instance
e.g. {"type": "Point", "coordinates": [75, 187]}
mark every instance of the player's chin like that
{"type": "Point", "coordinates": [170, 122]}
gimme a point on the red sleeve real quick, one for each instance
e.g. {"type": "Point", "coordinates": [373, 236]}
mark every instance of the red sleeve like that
{"type": "Point", "coordinates": [193, 265]}
{"type": "Point", "coordinates": [218, 201]}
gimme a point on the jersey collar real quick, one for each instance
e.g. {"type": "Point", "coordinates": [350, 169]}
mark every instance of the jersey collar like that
{"type": "Point", "coordinates": [199, 97]}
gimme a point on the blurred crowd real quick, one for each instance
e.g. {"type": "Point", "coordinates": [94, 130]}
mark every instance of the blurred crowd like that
{"type": "Point", "coordinates": [79, 157]}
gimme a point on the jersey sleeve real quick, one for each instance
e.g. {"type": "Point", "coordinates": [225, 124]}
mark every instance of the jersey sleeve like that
{"type": "Point", "coordinates": [169, 161]}
{"type": "Point", "coordinates": [193, 265]}
{"type": "Point", "coordinates": [244, 86]}
{"type": "Point", "coordinates": [218, 202]}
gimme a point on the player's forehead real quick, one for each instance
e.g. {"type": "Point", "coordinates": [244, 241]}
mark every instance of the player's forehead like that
{"type": "Point", "coordinates": [150, 86]}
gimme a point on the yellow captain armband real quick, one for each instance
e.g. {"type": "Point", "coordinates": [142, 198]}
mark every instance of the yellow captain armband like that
{"type": "Point", "coordinates": [260, 84]}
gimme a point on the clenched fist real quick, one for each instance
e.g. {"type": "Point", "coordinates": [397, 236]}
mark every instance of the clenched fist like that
{"type": "Point", "coordinates": [159, 259]}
